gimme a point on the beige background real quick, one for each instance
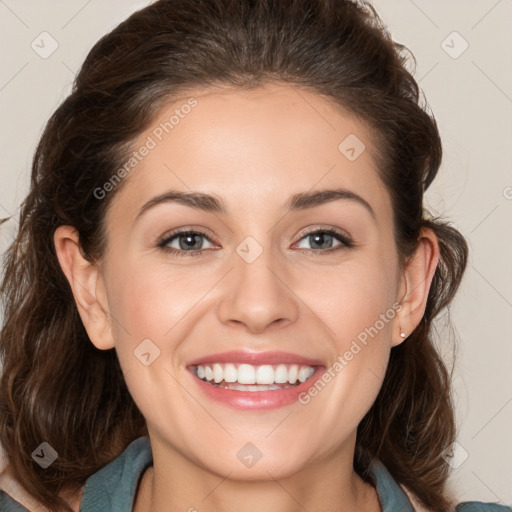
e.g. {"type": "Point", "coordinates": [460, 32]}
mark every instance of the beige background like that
{"type": "Point", "coordinates": [471, 96]}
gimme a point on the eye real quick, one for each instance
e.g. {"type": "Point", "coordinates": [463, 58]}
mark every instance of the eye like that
{"type": "Point", "coordinates": [184, 243]}
{"type": "Point", "coordinates": [324, 240]}
{"type": "Point", "coordinates": [190, 242]}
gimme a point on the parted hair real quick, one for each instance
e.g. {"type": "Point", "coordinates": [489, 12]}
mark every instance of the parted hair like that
{"type": "Point", "coordinates": [55, 385]}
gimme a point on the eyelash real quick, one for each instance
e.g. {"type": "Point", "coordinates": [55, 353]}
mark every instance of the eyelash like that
{"type": "Point", "coordinates": [346, 242]}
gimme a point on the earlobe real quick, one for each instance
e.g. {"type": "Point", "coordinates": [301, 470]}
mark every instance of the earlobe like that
{"type": "Point", "coordinates": [416, 280]}
{"type": "Point", "coordinates": [87, 286]}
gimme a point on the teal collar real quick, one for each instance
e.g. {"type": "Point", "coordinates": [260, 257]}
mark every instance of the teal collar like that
{"type": "Point", "coordinates": [392, 497]}
{"type": "Point", "coordinates": [113, 487]}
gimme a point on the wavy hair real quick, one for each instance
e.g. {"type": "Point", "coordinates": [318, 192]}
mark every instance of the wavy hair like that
{"type": "Point", "coordinates": [55, 385]}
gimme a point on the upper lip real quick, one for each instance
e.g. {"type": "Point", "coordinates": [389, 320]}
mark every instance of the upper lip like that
{"type": "Point", "coordinates": [256, 358]}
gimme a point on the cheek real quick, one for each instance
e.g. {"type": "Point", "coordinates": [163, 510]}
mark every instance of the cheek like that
{"type": "Point", "coordinates": [157, 303]}
{"type": "Point", "coordinates": [352, 297]}
{"type": "Point", "coordinates": [150, 299]}
{"type": "Point", "coordinates": [357, 306]}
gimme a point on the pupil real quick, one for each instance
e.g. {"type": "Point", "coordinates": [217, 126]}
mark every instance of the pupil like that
{"type": "Point", "coordinates": [322, 238]}
{"type": "Point", "coordinates": [190, 243]}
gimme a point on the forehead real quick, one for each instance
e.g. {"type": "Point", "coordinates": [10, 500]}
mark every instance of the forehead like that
{"type": "Point", "coordinates": [252, 148]}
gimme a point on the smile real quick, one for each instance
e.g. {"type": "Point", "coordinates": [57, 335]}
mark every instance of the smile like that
{"type": "Point", "coordinates": [248, 377]}
{"type": "Point", "coordinates": [247, 380]}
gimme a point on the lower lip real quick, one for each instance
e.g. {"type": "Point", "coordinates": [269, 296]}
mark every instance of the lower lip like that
{"type": "Point", "coordinates": [257, 400]}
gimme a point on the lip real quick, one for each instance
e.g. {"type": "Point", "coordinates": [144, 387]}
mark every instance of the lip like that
{"type": "Point", "coordinates": [256, 358]}
{"type": "Point", "coordinates": [256, 400]}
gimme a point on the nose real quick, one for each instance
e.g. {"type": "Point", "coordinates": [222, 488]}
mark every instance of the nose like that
{"type": "Point", "coordinates": [257, 295]}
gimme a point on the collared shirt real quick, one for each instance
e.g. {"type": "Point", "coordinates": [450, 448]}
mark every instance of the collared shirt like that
{"type": "Point", "coordinates": [113, 487]}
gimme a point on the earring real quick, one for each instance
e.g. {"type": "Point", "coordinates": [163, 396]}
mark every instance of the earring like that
{"type": "Point", "coordinates": [402, 334]}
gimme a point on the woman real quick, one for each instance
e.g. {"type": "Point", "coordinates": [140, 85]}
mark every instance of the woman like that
{"type": "Point", "coordinates": [222, 289]}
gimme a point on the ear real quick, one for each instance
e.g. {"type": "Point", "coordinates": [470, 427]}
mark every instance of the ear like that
{"type": "Point", "coordinates": [415, 284]}
{"type": "Point", "coordinates": [87, 285]}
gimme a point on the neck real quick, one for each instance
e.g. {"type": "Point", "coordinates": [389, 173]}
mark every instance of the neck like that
{"type": "Point", "coordinates": [324, 485]}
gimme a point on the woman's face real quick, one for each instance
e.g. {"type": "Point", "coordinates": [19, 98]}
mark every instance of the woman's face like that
{"type": "Point", "coordinates": [257, 283]}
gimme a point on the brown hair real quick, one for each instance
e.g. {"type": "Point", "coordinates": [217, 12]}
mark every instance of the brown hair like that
{"type": "Point", "coordinates": [56, 386]}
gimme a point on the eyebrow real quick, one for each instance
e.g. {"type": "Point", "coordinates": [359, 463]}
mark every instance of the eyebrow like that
{"type": "Point", "coordinates": [214, 204]}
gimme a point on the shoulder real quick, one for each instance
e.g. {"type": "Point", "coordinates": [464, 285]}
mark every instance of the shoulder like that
{"type": "Point", "coordinates": [13, 497]}
{"type": "Point", "coordinates": [114, 486]}
{"type": "Point", "coordinates": [391, 493]}
{"type": "Point", "coordinates": [111, 488]}
{"type": "Point", "coordinates": [479, 506]}
{"type": "Point", "coordinates": [466, 506]}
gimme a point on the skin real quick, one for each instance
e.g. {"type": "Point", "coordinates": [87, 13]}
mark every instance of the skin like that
{"type": "Point", "coordinates": [253, 149]}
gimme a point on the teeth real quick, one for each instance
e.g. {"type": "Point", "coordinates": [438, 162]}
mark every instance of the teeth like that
{"type": "Point", "coordinates": [242, 387]}
{"type": "Point", "coordinates": [230, 373]}
{"type": "Point", "coordinates": [265, 374]}
{"type": "Point", "coordinates": [208, 373]}
{"type": "Point", "coordinates": [293, 373]}
{"type": "Point", "coordinates": [254, 377]}
{"type": "Point", "coordinates": [281, 374]}
{"type": "Point", "coordinates": [303, 374]}
{"type": "Point", "coordinates": [218, 373]}
{"type": "Point", "coordinates": [246, 374]}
